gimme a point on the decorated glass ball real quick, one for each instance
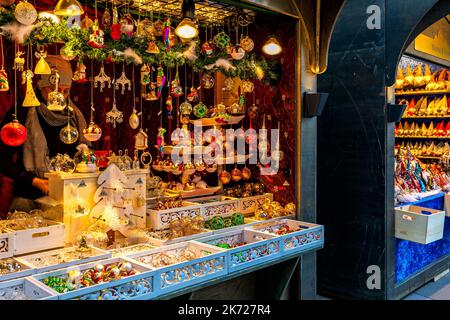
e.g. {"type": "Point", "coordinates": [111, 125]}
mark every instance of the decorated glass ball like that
{"type": "Point", "coordinates": [185, 108]}
{"type": "Point", "coordinates": [221, 40]}
{"type": "Point", "coordinates": [246, 173]}
{"type": "Point", "coordinates": [14, 134]}
{"type": "Point", "coordinates": [92, 132]}
{"type": "Point", "coordinates": [200, 110]}
{"type": "Point", "coordinates": [247, 86]}
{"type": "Point", "coordinates": [158, 165]}
{"type": "Point", "coordinates": [237, 53]}
{"type": "Point", "coordinates": [225, 177]}
{"type": "Point", "coordinates": [236, 175]}
{"type": "Point", "coordinates": [208, 81]}
{"type": "Point", "coordinates": [68, 134]}
{"type": "Point", "coordinates": [247, 44]}
{"type": "Point", "coordinates": [207, 48]}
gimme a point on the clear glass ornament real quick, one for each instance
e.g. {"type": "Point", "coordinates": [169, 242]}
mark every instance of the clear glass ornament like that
{"type": "Point", "coordinates": [68, 134]}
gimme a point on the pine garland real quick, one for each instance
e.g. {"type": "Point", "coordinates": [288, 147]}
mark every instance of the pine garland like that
{"type": "Point", "coordinates": [75, 44]}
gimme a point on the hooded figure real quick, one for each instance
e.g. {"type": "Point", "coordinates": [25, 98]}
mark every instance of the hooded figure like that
{"type": "Point", "coordinates": [26, 165]}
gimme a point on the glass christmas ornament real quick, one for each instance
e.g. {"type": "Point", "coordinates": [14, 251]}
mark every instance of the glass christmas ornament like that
{"type": "Point", "coordinates": [13, 134]}
{"type": "Point", "coordinates": [106, 18]}
{"type": "Point", "coordinates": [102, 78]}
{"type": "Point", "coordinates": [115, 31]}
{"type": "Point", "coordinates": [237, 53]}
{"type": "Point", "coordinates": [92, 132]}
{"type": "Point", "coordinates": [79, 76]}
{"type": "Point", "coordinates": [56, 100]}
{"type": "Point", "coordinates": [193, 95]}
{"type": "Point", "coordinates": [133, 121]}
{"type": "Point", "coordinates": [185, 108]}
{"type": "Point", "coordinates": [114, 116]}
{"type": "Point", "coordinates": [236, 175]}
{"type": "Point", "coordinates": [200, 110]}
{"type": "Point", "coordinates": [246, 173]}
{"type": "Point", "coordinates": [68, 8]}
{"type": "Point", "coordinates": [272, 47]}
{"type": "Point", "coordinates": [225, 177]}
{"type": "Point", "coordinates": [141, 140]}
{"type": "Point", "coordinates": [207, 48]}
{"type": "Point", "coordinates": [127, 25]}
{"type": "Point", "coordinates": [30, 97]}
{"type": "Point", "coordinates": [122, 82]}
{"type": "Point", "coordinates": [6, 3]}
{"type": "Point", "coordinates": [61, 163]}
{"type": "Point", "coordinates": [247, 86]}
{"type": "Point", "coordinates": [25, 13]}
{"type": "Point", "coordinates": [4, 84]}
{"type": "Point", "coordinates": [176, 90]}
{"type": "Point", "coordinates": [87, 23]}
{"type": "Point", "coordinates": [19, 61]}
{"type": "Point", "coordinates": [208, 81]}
{"type": "Point", "coordinates": [253, 111]}
{"type": "Point", "coordinates": [221, 40]}
{"type": "Point", "coordinates": [145, 74]}
{"type": "Point", "coordinates": [96, 38]}
{"type": "Point", "coordinates": [152, 47]}
{"type": "Point", "coordinates": [85, 159]}
{"type": "Point", "coordinates": [42, 66]}
{"type": "Point", "coordinates": [247, 44]}
{"type": "Point", "coordinates": [68, 134]}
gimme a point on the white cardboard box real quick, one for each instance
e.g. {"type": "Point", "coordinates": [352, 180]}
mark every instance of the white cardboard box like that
{"type": "Point", "coordinates": [411, 224]}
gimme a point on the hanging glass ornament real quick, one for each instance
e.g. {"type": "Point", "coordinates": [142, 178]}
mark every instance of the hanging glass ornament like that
{"type": "Point", "coordinates": [115, 26]}
{"type": "Point", "coordinates": [169, 107]}
{"type": "Point", "coordinates": [127, 25]}
{"type": "Point", "coordinates": [56, 100]}
{"type": "Point", "coordinates": [152, 47]}
{"type": "Point", "coordinates": [4, 84]}
{"type": "Point", "coordinates": [158, 27]}
{"type": "Point", "coordinates": [42, 66]}
{"type": "Point", "coordinates": [247, 86]}
{"type": "Point", "coordinates": [141, 140]}
{"type": "Point", "coordinates": [67, 54]}
{"type": "Point", "coordinates": [166, 33]}
{"type": "Point", "coordinates": [19, 61]}
{"type": "Point", "coordinates": [193, 95]}
{"type": "Point", "coordinates": [30, 97]}
{"type": "Point", "coordinates": [160, 80]}
{"type": "Point", "coordinates": [106, 18]}
{"type": "Point", "coordinates": [86, 23]}
{"type": "Point", "coordinates": [25, 13]}
{"type": "Point", "coordinates": [151, 96]}
{"type": "Point", "coordinates": [96, 38]}
{"type": "Point", "coordinates": [145, 74]}
{"type": "Point", "coordinates": [6, 3]}
{"type": "Point", "coordinates": [185, 108]}
{"type": "Point", "coordinates": [123, 81]}
{"type": "Point", "coordinates": [13, 134]}
{"type": "Point", "coordinates": [208, 81]}
{"type": "Point", "coordinates": [228, 84]}
{"type": "Point", "coordinates": [247, 44]}
{"type": "Point", "coordinates": [221, 40]}
{"type": "Point", "coordinates": [133, 121]}
{"type": "Point", "coordinates": [68, 134]}
{"type": "Point", "coordinates": [102, 79]}
{"type": "Point", "coordinates": [79, 75]}
{"type": "Point", "coordinates": [200, 110]}
{"type": "Point", "coordinates": [143, 28]}
{"type": "Point", "coordinates": [253, 111]}
{"type": "Point", "coordinates": [207, 48]}
{"type": "Point", "coordinates": [92, 132]}
{"type": "Point", "coordinates": [176, 90]}
{"type": "Point", "coordinates": [237, 53]}
{"type": "Point", "coordinates": [114, 116]}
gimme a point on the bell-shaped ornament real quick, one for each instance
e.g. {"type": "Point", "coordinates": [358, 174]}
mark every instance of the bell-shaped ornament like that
{"type": "Point", "coordinates": [30, 97]}
{"type": "Point", "coordinates": [152, 47]}
{"type": "Point", "coordinates": [42, 66]}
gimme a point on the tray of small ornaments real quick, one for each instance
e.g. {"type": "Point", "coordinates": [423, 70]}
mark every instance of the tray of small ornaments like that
{"type": "Point", "coordinates": [34, 233]}
{"type": "Point", "coordinates": [179, 230]}
{"type": "Point", "coordinates": [11, 268]}
{"type": "Point", "coordinates": [120, 252]}
{"type": "Point", "coordinates": [25, 289]}
{"type": "Point", "coordinates": [251, 196]}
{"type": "Point", "coordinates": [245, 248]}
{"type": "Point", "coordinates": [181, 265]}
{"type": "Point", "coordinates": [293, 235]}
{"type": "Point", "coordinates": [6, 241]}
{"type": "Point", "coordinates": [89, 281]}
{"type": "Point", "coordinates": [219, 206]}
{"type": "Point", "coordinates": [273, 210]}
{"type": "Point", "coordinates": [168, 210]}
{"type": "Point", "coordinates": [62, 258]}
{"type": "Point", "coordinates": [236, 221]}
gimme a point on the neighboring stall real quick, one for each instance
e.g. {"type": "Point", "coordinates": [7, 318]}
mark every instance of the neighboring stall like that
{"type": "Point", "coordinates": [383, 172]}
{"type": "Point", "coordinates": [139, 209]}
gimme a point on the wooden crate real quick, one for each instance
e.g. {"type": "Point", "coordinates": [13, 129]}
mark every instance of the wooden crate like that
{"type": "Point", "coordinates": [260, 247]}
{"type": "Point", "coordinates": [185, 274]}
{"type": "Point", "coordinates": [309, 236]}
{"type": "Point", "coordinates": [96, 254]}
{"type": "Point", "coordinates": [91, 292]}
{"type": "Point", "coordinates": [160, 219]}
{"type": "Point", "coordinates": [24, 272]}
{"type": "Point", "coordinates": [6, 245]}
{"type": "Point", "coordinates": [33, 289]}
{"type": "Point", "coordinates": [44, 238]}
{"type": "Point", "coordinates": [411, 224]}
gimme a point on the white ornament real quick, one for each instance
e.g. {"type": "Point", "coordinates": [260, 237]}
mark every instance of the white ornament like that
{"type": "Point", "coordinates": [102, 78]}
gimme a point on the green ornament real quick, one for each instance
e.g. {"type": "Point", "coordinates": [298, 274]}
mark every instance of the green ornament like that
{"type": "Point", "coordinates": [200, 110]}
{"type": "Point", "coordinates": [217, 223]}
{"type": "Point", "coordinates": [237, 219]}
{"type": "Point", "coordinates": [223, 245]}
{"type": "Point", "coordinates": [221, 40]}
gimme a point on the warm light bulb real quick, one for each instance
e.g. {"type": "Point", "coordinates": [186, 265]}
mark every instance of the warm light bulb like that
{"type": "Point", "coordinates": [68, 8]}
{"type": "Point", "coordinates": [187, 29]}
{"type": "Point", "coordinates": [272, 47]}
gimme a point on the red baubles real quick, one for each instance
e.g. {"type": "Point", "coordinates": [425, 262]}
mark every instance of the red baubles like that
{"type": "Point", "coordinates": [14, 134]}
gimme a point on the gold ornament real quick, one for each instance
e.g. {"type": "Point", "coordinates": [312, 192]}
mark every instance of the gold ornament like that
{"type": "Point", "coordinates": [25, 13]}
{"type": "Point", "coordinates": [56, 100]}
{"type": "Point", "coordinates": [42, 66]}
{"type": "Point", "coordinates": [30, 97]}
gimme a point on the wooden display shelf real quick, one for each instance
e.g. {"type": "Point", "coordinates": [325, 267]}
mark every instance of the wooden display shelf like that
{"type": "Point", "coordinates": [212, 121]}
{"type": "Point", "coordinates": [423, 92]}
